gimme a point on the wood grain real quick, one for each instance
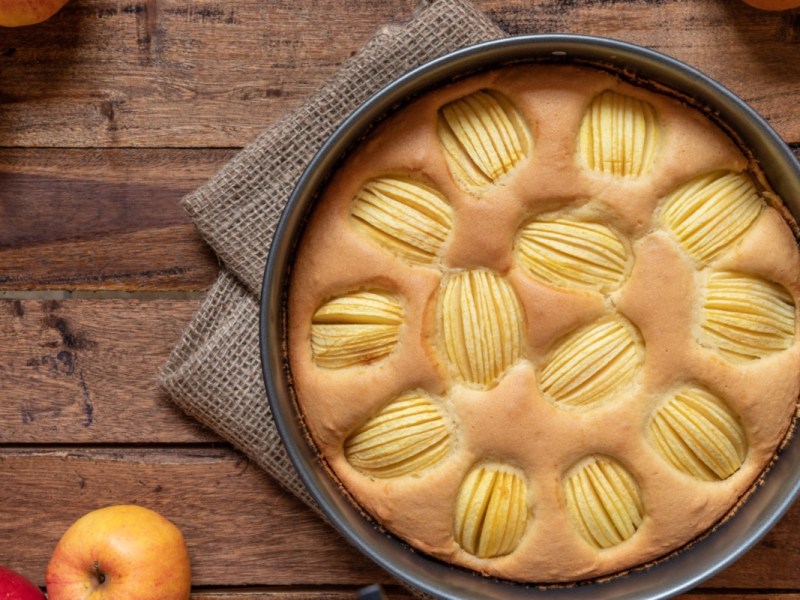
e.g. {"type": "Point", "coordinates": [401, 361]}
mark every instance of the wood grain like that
{"type": "Point", "coordinates": [392, 593]}
{"type": "Point", "coordinates": [83, 371]}
{"type": "Point", "coordinates": [109, 114]}
{"type": "Point", "coordinates": [69, 219]}
{"type": "Point", "coordinates": [173, 72]}
{"type": "Point", "coordinates": [398, 593]}
{"type": "Point", "coordinates": [753, 53]}
{"type": "Point", "coordinates": [239, 526]}
{"type": "Point", "coordinates": [80, 371]}
{"type": "Point", "coordinates": [395, 593]}
{"type": "Point", "coordinates": [117, 73]}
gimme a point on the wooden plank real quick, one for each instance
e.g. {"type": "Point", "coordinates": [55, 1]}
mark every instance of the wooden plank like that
{"type": "Point", "coordinates": [239, 526]}
{"type": "Point", "coordinates": [241, 529]}
{"type": "Point", "coordinates": [77, 371]}
{"type": "Point", "coordinates": [173, 72]}
{"type": "Point", "coordinates": [723, 595]}
{"type": "Point", "coordinates": [396, 593]}
{"type": "Point", "coordinates": [55, 355]}
{"type": "Point", "coordinates": [399, 593]}
{"type": "Point", "coordinates": [393, 593]}
{"type": "Point", "coordinates": [751, 52]}
{"type": "Point", "coordinates": [184, 73]}
{"type": "Point", "coordinates": [172, 258]}
{"type": "Point", "coordinates": [299, 593]}
{"type": "Point", "coordinates": [769, 564]}
{"type": "Point", "coordinates": [69, 219]}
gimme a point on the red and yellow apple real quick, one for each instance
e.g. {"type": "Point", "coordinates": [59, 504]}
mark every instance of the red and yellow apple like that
{"type": "Point", "coordinates": [121, 552]}
{"type": "Point", "coordinates": [15, 13]}
{"type": "Point", "coordinates": [14, 586]}
{"type": "Point", "coordinates": [774, 4]}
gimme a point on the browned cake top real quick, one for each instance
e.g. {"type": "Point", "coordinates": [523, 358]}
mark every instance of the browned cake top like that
{"type": "Point", "coordinates": [542, 324]}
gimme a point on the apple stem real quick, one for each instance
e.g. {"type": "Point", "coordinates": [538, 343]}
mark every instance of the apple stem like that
{"type": "Point", "coordinates": [101, 577]}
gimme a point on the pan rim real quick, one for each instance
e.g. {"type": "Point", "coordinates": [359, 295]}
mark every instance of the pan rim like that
{"type": "Point", "coordinates": [667, 578]}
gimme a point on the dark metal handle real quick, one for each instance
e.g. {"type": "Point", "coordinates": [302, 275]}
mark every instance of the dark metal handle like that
{"type": "Point", "coordinates": [371, 592]}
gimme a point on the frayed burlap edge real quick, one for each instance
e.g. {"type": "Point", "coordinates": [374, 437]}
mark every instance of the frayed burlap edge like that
{"type": "Point", "coordinates": [238, 210]}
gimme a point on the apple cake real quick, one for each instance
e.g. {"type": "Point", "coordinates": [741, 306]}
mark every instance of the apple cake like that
{"type": "Point", "coordinates": [542, 324]}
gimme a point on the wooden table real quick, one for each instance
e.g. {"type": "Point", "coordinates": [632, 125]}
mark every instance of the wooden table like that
{"type": "Point", "coordinates": [113, 110]}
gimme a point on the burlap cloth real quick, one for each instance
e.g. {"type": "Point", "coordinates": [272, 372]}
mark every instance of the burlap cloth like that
{"type": "Point", "coordinates": [214, 373]}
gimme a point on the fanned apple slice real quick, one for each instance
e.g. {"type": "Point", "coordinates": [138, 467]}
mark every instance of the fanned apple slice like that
{"type": "Point", "coordinates": [483, 136]}
{"type": "Point", "coordinates": [570, 253]}
{"type": "Point", "coordinates": [747, 318]}
{"type": "Point", "coordinates": [590, 364]}
{"type": "Point", "coordinates": [491, 511]}
{"type": "Point", "coordinates": [407, 217]}
{"type": "Point", "coordinates": [406, 437]}
{"type": "Point", "coordinates": [619, 135]}
{"type": "Point", "coordinates": [480, 323]}
{"type": "Point", "coordinates": [356, 329]}
{"type": "Point", "coordinates": [710, 212]}
{"type": "Point", "coordinates": [603, 501]}
{"type": "Point", "coordinates": [697, 434]}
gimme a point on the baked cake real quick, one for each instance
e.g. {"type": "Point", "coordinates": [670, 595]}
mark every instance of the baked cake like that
{"type": "Point", "coordinates": [542, 324]}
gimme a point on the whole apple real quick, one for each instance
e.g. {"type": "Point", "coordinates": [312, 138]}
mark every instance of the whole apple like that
{"type": "Point", "coordinates": [14, 586]}
{"type": "Point", "coordinates": [15, 13]}
{"type": "Point", "coordinates": [121, 552]}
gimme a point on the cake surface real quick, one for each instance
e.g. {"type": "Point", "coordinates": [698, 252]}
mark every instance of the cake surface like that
{"type": "Point", "coordinates": [542, 324]}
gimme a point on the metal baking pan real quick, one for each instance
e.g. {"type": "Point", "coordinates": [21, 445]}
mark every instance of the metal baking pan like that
{"type": "Point", "coordinates": [664, 579]}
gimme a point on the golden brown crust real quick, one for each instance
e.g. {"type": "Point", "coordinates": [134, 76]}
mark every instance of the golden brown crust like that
{"type": "Point", "coordinates": [514, 422]}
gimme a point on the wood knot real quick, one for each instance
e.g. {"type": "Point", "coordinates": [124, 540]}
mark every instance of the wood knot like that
{"type": "Point", "coordinates": [107, 110]}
